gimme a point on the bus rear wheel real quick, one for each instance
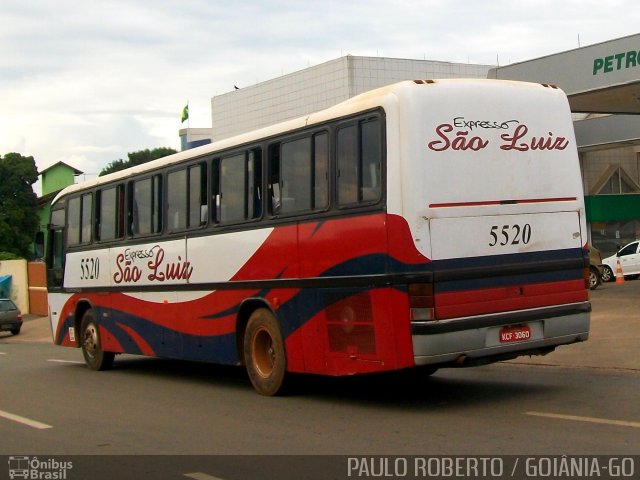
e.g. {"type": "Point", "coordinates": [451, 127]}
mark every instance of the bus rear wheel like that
{"type": "Point", "coordinates": [264, 353]}
{"type": "Point", "coordinates": [94, 356]}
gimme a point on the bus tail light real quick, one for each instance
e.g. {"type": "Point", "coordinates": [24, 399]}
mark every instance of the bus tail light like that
{"type": "Point", "coordinates": [421, 304]}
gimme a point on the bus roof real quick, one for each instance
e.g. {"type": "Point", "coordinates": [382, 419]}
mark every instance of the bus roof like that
{"type": "Point", "coordinates": [358, 103]}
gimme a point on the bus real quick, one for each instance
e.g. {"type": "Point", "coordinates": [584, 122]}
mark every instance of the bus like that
{"type": "Point", "coordinates": [424, 224]}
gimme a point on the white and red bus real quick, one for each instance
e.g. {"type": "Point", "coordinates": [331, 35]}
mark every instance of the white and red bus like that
{"type": "Point", "coordinates": [427, 223]}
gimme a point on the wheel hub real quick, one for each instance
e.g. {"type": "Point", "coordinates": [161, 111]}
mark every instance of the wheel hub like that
{"type": "Point", "coordinates": [90, 341]}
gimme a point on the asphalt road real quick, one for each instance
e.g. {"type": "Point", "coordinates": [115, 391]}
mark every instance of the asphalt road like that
{"type": "Point", "coordinates": [580, 400]}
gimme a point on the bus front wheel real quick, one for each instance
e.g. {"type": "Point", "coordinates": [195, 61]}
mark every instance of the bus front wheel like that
{"type": "Point", "coordinates": [264, 353]}
{"type": "Point", "coordinates": [94, 356]}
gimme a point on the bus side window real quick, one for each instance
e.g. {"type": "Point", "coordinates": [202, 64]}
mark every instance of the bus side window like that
{"type": "Point", "coordinates": [215, 191]}
{"type": "Point", "coordinates": [295, 175]}
{"type": "Point", "coordinates": [145, 202]}
{"type": "Point", "coordinates": [254, 184]}
{"type": "Point", "coordinates": [198, 195]}
{"type": "Point", "coordinates": [80, 218]}
{"type": "Point", "coordinates": [177, 200]}
{"type": "Point", "coordinates": [237, 186]}
{"type": "Point", "coordinates": [359, 150]}
{"type": "Point", "coordinates": [370, 147]}
{"type": "Point", "coordinates": [55, 248]}
{"type": "Point", "coordinates": [86, 220]}
{"type": "Point", "coordinates": [109, 211]}
{"type": "Point", "coordinates": [156, 204]}
{"type": "Point", "coordinates": [132, 211]}
{"type": "Point", "coordinates": [348, 165]}
{"type": "Point", "coordinates": [141, 207]}
{"type": "Point", "coordinates": [73, 219]}
{"type": "Point", "coordinates": [232, 188]}
{"type": "Point", "coordinates": [320, 171]}
{"type": "Point", "coordinates": [275, 193]}
{"type": "Point", "coordinates": [187, 197]}
{"type": "Point", "coordinates": [298, 174]}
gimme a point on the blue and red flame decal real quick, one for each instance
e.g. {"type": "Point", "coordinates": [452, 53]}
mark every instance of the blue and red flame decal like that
{"type": "Point", "coordinates": [293, 271]}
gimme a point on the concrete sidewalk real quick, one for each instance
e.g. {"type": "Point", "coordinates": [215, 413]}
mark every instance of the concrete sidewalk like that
{"type": "Point", "coordinates": [614, 340]}
{"type": "Point", "coordinates": [614, 337]}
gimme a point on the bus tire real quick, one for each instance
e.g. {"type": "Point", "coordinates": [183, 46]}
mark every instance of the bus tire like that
{"type": "Point", "coordinates": [94, 356]}
{"type": "Point", "coordinates": [264, 353]}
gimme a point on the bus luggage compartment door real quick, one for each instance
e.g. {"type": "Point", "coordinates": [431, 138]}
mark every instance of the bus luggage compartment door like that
{"type": "Point", "coordinates": [475, 236]}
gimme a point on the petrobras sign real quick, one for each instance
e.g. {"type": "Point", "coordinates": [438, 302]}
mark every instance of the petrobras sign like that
{"type": "Point", "coordinates": [616, 61]}
{"type": "Point", "coordinates": [583, 69]}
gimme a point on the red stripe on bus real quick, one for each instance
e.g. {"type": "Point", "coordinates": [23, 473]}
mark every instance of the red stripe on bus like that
{"type": "Point", "coordinates": [503, 299]}
{"type": "Point", "coordinates": [502, 202]}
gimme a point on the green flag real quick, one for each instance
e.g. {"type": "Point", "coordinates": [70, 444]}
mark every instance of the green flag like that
{"type": "Point", "coordinates": [185, 113]}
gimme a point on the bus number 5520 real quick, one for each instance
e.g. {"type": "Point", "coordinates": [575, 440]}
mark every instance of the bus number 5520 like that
{"type": "Point", "coordinates": [89, 268]}
{"type": "Point", "coordinates": [510, 235]}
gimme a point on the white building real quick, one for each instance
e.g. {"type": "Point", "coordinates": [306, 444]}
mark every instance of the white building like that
{"type": "Point", "coordinates": [319, 87]}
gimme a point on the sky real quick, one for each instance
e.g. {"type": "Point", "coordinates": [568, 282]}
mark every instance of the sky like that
{"type": "Point", "coordinates": [86, 82]}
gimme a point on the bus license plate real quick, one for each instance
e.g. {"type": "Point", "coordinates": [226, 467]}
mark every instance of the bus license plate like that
{"type": "Point", "coordinates": [518, 333]}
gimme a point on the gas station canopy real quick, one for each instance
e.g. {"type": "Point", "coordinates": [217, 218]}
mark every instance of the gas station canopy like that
{"type": "Point", "coordinates": [600, 78]}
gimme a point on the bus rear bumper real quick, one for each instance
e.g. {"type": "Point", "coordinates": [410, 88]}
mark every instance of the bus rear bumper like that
{"type": "Point", "coordinates": [477, 340]}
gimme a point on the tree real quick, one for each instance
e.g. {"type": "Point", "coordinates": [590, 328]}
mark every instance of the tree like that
{"type": "Point", "coordinates": [18, 205]}
{"type": "Point", "coordinates": [137, 158]}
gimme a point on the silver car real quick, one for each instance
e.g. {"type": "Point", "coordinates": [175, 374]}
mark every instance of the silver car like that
{"type": "Point", "coordinates": [10, 316]}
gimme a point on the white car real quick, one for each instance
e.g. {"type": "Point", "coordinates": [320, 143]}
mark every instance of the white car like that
{"type": "Point", "coordinates": [629, 257]}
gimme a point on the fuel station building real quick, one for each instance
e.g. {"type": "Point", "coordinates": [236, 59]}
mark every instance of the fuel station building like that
{"type": "Point", "coordinates": [602, 82]}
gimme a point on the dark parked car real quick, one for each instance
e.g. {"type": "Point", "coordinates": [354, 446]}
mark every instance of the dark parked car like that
{"type": "Point", "coordinates": [10, 316]}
